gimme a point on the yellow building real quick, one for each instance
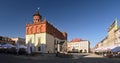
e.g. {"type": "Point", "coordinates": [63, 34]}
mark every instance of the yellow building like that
{"type": "Point", "coordinates": [111, 33]}
{"type": "Point", "coordinates": [105, 42]}
{"type": "Point", "coordinates": [109, 42]}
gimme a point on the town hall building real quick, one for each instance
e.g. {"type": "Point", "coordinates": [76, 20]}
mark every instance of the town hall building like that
{"type": "Point", "coordinates": [44, 36]}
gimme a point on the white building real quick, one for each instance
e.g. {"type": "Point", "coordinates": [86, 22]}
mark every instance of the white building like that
{"type": "Point", "coordinates": [20, 40]}
{"type": "Point", "coordinates": [44, 36]}
{"type": "Point", "coordinates": [79, 46]}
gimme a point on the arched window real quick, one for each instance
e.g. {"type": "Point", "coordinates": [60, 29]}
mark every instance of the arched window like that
{"type": "Point", "coordinates": [39, 48]}
{"type": "Point", "coordinates": [39, 44]}
{"type": "Point", "coordinates": [39, 41]}
{"type": "Point", "coordinates": [30, 40]}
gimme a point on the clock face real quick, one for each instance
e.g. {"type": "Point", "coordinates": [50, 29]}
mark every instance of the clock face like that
{"type": "Point", "coordinates": [36, 19]}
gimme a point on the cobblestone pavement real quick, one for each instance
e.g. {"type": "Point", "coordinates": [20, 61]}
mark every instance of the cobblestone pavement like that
{"type": "Point", "coordinates": [51, 58]}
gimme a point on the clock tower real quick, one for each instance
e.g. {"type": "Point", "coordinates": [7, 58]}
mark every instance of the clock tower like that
{"type": "Point", "coordinates": [37, 17]}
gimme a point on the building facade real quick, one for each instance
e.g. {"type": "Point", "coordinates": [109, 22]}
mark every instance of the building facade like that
{"type": "Point", "coordinates": [4, 40]}
{"type": "Point", "coordinates": [111, 33]}
{"type": "Point", "coordinates": [104, 42]}
{"type": "Point", "coordinates": [43, 35]}
{"type": "Point", "coordinates": [117, 34]}
{"type": "Point", "coordinates": [82, 46]}
{"type": "Point", "coordinates": [112, 39]}
{"type": "Point", "coordinates": [20, 40]}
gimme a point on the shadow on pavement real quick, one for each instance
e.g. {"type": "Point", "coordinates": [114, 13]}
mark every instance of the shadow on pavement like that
{"type": "Point", "coordinates": [52, 59]}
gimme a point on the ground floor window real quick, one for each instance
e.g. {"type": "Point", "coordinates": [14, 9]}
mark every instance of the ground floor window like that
{"type": "Point", "coordinates": [39, 48]}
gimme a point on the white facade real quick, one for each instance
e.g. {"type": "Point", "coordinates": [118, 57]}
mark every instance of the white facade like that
{"type": "Point", "coordinates": [20, 40]}
{"type": "Point", "coordinates": [82, 46]}
{"type": "Point", "coordinates": [43, 42]}
{"type": "Point", "coordinates": [41, 34]}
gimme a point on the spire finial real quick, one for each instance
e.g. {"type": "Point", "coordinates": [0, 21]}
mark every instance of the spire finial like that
{"type": "Point", "coordinates": [38, 8]}
{"type": "Point", "coordinates": [116, 19]}
{"type": "Point", "coordinates": [37, 12]}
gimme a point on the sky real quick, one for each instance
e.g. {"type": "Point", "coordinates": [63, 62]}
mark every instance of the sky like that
{"type": "Point", "coordinates": [85, 19]}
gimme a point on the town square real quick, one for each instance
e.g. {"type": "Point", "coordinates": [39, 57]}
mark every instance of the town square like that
{"type": "Point", "coordinates": [60, 31]}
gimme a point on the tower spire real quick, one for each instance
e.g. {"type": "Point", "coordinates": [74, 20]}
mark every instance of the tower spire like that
{"type": "Point", "coordinates": [37, 12]}
{"type": "Point", "coordinates": [116, 21]}
{"type": "Point", "coordinates": [36, 16]}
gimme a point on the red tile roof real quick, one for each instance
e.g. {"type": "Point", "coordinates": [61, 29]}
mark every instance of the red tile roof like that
{"type": "Point", "coordinates": [76, 40]}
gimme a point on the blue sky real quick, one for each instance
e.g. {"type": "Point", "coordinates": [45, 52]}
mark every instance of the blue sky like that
{"type": "Point", "coordinates": [86, 19]}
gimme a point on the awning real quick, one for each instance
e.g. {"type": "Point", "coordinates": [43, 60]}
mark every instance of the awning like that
{"type": "Point", "coordinates": [109, 47]}
{"type": "Point", "coordinates": [99, 49]}
{"type": "Point", "coordinates": [105, 48]}
{"type": "Point", "coordinates": [116, 49]}
{"type": "Point", "coordinates": [7, 46]}
{"type": "Point", "coordinates": [22, 46]}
